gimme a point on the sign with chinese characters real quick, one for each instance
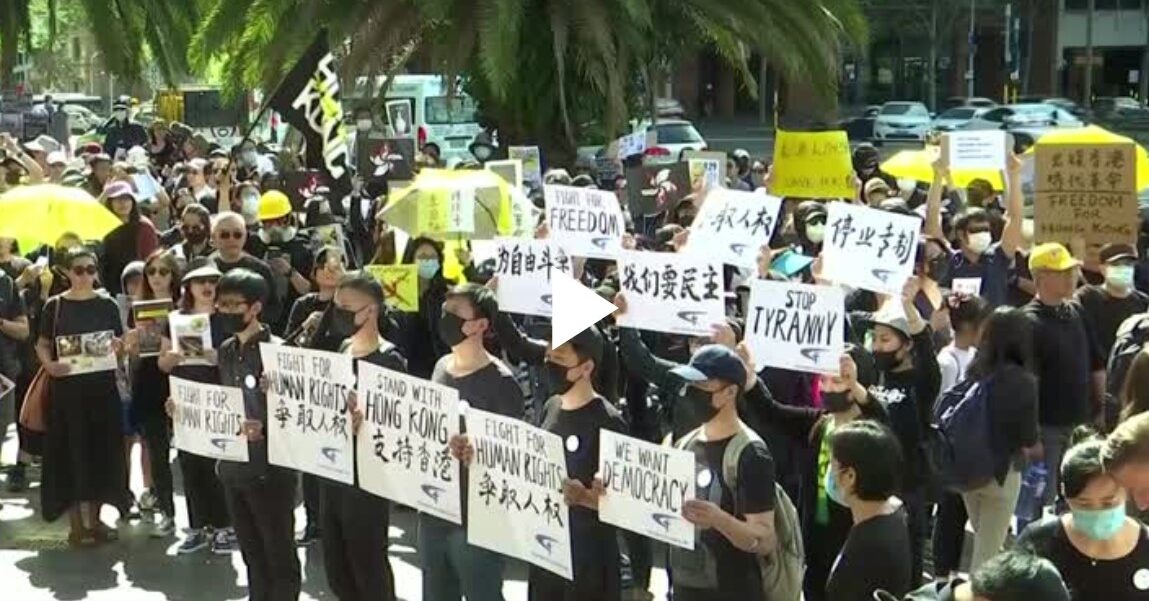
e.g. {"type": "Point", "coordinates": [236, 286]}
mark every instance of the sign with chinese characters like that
{"type": "Point", "coordinates": [585, 222]}
{"type": "Point", "coordinates": [524, 268]}
{"type": "Point", "coordinates": [447, 212]}
{"type": "Point", "coordinates": [982, 149]}
{"type": "Point", "coordinates": [671, 292]}
{"type": "Point", "coordinates": [514, 501]}
{"type": "Point", "coordinates": [796, 326]}
{"type": "Point", "coordinates": [400, 285]}
{"type": "Point", "coordinates": [392, 158]}
{"type": "Point", "coordinates": [309, 427]}
{"type": "Point", "coordinates": [1087, 190]}
{"type": "Point", "coordinates": [868, 248]}
{"type": "Point", "coordinates": [532, 163]}
{"type": "Point", "coordinates": [813, 165]}
{"type": "Point", "coordinates": [732, 226]}
{"type": "Point", "coordinates": [646, 485]}
{"type": "Point", "coordinates": [402, 445]}
{"type": "Point", "coordinates": [207, 420]}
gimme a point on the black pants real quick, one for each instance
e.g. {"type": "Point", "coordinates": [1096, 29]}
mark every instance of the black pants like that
{"type": "Point", "coordinates": [263, 511]}
{"type": "Point", "coordinates": [310, 486]}
{"type": "Point", "coordinates": [917, 514]}
{"type": "Point", "coordinates": [207, 507]}
{"type": "Point", "coordinates": [157, 440]}
{"type": "Point", "coordinates": [949, 534]}
{"type": "Point", "coordinates": [354, 525]}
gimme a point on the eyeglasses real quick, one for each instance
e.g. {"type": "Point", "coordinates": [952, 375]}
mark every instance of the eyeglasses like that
{"type": "Point", "coordinates": [80, 270]}
{"type": "Point", "coordinates": [161, 271]}
{"type": "Point", "coordinates": [230, 235]}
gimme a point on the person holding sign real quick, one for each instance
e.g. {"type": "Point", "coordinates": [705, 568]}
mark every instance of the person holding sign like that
{"type": "Point", "coordinates": [83, 457]}
{"type": "Point", "coordinates": [734, 508]}
{"type": "Point", "coordinates": [209, 523]}
{"type": "Point", "coordinates": [355, 522]}
{"type": "Point", "coordinates": [261, 497]}
{"type": "Point", "coordinates": [978, 256]}
{"type": "Point", "coordinates": [453, 568]}
{"type": "Point", "coordinates": [577, 413]}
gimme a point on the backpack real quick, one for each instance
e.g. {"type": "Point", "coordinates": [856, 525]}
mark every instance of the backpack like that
{"type": "Point", "coordinates": [959, 442]}
{"type": "Point", "coordinates": [783, 567]}
{"type": "Point", "coordinates": [1132, 336]}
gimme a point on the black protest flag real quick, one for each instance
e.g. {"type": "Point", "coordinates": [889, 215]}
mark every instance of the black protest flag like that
{"type": "Point", "coordinates": [308, 99]}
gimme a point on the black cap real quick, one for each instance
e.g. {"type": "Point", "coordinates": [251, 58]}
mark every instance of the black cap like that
{"type": "Point", "coordinates": [1112, 253]}
{"type": "Point", "coordinates": [589, 344]}
{"type": "Point", "coordinates": [713, 362]}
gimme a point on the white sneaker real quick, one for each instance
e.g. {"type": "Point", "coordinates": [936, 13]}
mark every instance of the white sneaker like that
{"type": "Point", "coordinates": [165, 528]}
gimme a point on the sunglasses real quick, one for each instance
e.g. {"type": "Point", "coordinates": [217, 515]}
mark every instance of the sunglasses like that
{"type": "Point", "coordinates": [84, 270]}
{"type": "Point", "coordinates": [161, 271]}
{"type": "Point", "coordinates": [230, 235]}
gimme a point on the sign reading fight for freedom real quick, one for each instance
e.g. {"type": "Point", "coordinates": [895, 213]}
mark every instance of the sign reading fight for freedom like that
{"type": "Point", "coordinates": [732, 226]}
{"type": "Point", "coordinates": [813, 165]}
{"type": "Point", "coordinates": [584, 222]}
{"type": "Point", "coordinates": [646, 485]}
{"type": "Point", "coordinates": [515, 502]}
{"type": "Point", "coordinates": [524, 268]}
{"type": "Point", "coordinates": [796, 326]}
{"type": "Point", "coordinates": [671, 292]}
{"type": "Point", "coordinates": [868, 248]}
{"type": "Point", "coordinates": [1087, 190]}
{"type": "Point", "coordinates": [309, 427]}
{"type": "Point", "coordinates": [402, 445]}
{"type": "Point", "coordinates": [207, 420]}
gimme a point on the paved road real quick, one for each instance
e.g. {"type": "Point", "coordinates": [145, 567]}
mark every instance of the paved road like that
{"type": "Point", "coordinates": [36, 565]}
{"type": "Point", "coordinates": [758, 139]}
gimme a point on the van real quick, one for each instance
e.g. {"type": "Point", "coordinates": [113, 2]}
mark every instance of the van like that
{"type": "Point", "coordinates": [447, 122]}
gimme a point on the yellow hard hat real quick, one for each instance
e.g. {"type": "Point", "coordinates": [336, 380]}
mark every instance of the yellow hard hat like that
{"type": "Point", "coordinates": [274, 205]}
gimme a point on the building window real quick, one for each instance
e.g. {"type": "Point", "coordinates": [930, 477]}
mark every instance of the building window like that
{"type": "Point", "coordinates": [1083, 5]}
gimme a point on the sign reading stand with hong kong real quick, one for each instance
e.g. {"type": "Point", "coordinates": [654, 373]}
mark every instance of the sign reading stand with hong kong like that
{"type": "Point", "coordinates": [868, 248]}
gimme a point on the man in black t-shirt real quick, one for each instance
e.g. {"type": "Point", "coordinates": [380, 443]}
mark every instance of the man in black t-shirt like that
{"type": "Point", "coordinates": [228, 235]}
{"type": "Point", "coordinates": [735, 519]}
{"type": "Point", "coordinates": [1107, 305]}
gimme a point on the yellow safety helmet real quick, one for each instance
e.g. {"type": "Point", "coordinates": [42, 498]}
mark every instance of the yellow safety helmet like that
{"type": "Point", "coordinates": [274, 205]}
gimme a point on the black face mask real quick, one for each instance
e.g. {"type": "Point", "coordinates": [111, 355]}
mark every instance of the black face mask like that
{"type": "Point", "coordinates": [699, 403]}
{"type": "Point", "coordinates": [451, 329]}
{"type": "Point", "coordinates": [938, 268]}
{"type": "Point", "coordinates": [886, 361]}
{"type": "Point", "coordinates": [342, 323]}
{"type": "Point", "coordinates": [556, 378]}
{"type": "Point", "coordinates": [230, 324]}
{"type": "Point", "coordinates": [836, 402]}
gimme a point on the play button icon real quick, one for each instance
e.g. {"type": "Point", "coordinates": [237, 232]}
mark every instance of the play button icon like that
{"type": "Point", "coordinates": [576, 308]}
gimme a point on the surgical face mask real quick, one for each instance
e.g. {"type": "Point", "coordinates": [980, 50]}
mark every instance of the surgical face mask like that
{"type": "Point", "coordinates": [816, 232]}
{"type": "Point", "coordinates": [428, 268]}
{"type": "Point", "coordinates": [1099, 524]}
{"type": "Point", "coordinates": [557, 378]}
{"type": "Point", "coordinates": [482, 152]}
{"type": "Point", "coordinates": [980, 241]}
{"type": "Point", "coordinates": [363, 124]}
{"type": "Point", "coordinates": [120, 115]}
{"type": "Point", "coordinates": [699, 402]}
{"type": "Point", "coordinates": [1119, 276]}
{"type": "Point", "coordinates": [832, 491]}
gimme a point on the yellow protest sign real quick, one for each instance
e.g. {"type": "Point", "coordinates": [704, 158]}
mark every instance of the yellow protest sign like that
{"type": "Point", "coordinates": [400, 285]}
{"type": "Point", "coordinates": [812, 165]}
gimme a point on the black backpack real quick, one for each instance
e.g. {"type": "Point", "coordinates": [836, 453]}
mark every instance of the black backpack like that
{"type": "Point", "coordinates": [1131, 339]}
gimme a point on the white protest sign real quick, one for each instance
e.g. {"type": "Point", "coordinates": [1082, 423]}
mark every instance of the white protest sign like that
{"type": "Point", "coordinates": [646, 485]}
{"type": "Point", "coordinates": [705, 174]}
{"type": "Point", "coordinates": [966, 286]}
{"type": "Point", "coordinates": [515, 501]}
{"type": "Point", "coordinates": [524, 267]}
{"type": "Point", "coordinates": [461, 211]}
{"type": "Point", "coordinates": [631, 144]}
{"type": "Point", "coordinates": [869, 248]}
{"type": "Point", "coordinates": [402, 445]}
{"type": "Point", "coordinates": [207, 420]}
{"type": "Point", "coordinates": [976, 149]}
{"type": "Point", "coordinates": [671, 292]}
{"type": "Point", "coordinates": [532, 161]}
{"type": "Point", "coordinates": [796, 326]}
{"type": "Point", "coordinates": [732, 226]}
{"type": "Point", "coordinates": [585, 222]}
{"type": "Point", "coordinates": [308, 425]}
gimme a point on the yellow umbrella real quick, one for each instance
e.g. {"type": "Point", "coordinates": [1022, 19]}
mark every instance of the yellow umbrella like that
{"type": "Point", "coordinates": [918, 165]}
{"type": "Point", "coordinates": [39, 214]}
{"type": "Point", "coordinates": [429, 206]}
{"type": "Point", "coordinates": [1093, 134]}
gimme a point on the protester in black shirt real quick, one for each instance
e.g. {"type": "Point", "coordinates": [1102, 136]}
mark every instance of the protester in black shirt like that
{"type": "Point", "coordinates": [1068, 362]}
{"type": "Point", "coordinates": [577, 413]}
{"type": "Point", "coordinates": [356, 522]}
{"type": "Point", "coordinates": [287, 254]}
{"type": "Point", "coordinates": [1100, 552]}
{"type": "Point", "coordinates": [195, 233]}
{"type": "Point", "coordinates": [734, 519]}
{"type": "Point", "coordinates": [420, 339]}
{"type": "Point", "coordinates": [228, 236]}
{"type": "Point", "coordinates": [1106, 306]}
{"type": "Point", "coordinates": [864, 475]}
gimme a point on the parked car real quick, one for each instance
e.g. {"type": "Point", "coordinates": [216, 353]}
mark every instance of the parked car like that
{"type": "Point", "coordinates": [1064, 104]}
{"type": "Point", "coordinates": [957, 117]}
{"type": "Point", "coordinates": [901, 121]}
{"type": "Point", "coordinates": [673, 137]}
{"type": "Point", "coordinates": [1027, 122]}
{"type": "Point", "coordinates": [669, 108]}
{"type": "Point", "coordinates": [960, 101]}
{"type": "Point", "coordinates": [860, 127]}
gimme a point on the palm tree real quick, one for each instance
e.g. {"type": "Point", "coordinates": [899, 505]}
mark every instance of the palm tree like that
{"type": "Point", "coordinates": [15, 28]}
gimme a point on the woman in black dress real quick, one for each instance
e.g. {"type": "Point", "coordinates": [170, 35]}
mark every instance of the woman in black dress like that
{"type": "Point", "coordinates": [83, 449]}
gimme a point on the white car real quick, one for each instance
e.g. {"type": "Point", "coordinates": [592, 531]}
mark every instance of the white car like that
{"type": "Point", "coordinates": [902, 121]}
{"type": "Point", "coordinates": [673, 137]}
{"type": "Point", "coordinates": [957, 117]}
{"type": "Point", "coordinates": [1027, 122]}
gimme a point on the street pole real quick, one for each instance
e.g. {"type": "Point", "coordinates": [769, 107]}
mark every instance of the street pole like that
{"type": "Point", "coordinates": [972, 47]}
{"type": "Point", "coordinates": [1089, 55]}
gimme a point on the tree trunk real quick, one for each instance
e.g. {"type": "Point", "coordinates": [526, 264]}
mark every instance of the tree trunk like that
{"type": "Point", "coordinates": [1089, 55]}
{"type": "Point", "coordinates": [651, 103]}
{"type": "Point", "coordinates": [9, 56]}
